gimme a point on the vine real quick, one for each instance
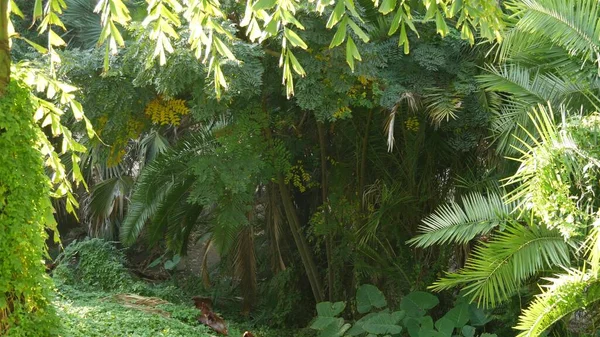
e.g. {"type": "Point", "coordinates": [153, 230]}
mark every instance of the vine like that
{"type": "Point", "coordinates": [25, 209]}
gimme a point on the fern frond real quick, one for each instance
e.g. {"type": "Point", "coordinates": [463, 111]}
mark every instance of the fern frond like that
{"type": "Point", "coordinates": [451, 223]}
{"type": "Point", "coordinates": [497, 269]}
{"type": "Point", "coordinates": [565, 294]}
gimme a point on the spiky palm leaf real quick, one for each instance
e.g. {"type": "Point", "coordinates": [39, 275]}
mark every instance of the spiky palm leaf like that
{"type": "Point", "coordinates": [572, 24]}
{"type": "Point", "coordinates": [497, 269]}
{"type": "Point", "coordinates": [160, 187]}
{"type": "Point", "coordinates": [453, 223]}
{"type": "Point", "coordinates": [565, 294]}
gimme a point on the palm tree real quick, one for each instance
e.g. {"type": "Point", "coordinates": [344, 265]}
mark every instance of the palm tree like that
{"type": "Point", "coordinates": [548, 70]}
{"type": "Point", "coordinates": [548, 55]}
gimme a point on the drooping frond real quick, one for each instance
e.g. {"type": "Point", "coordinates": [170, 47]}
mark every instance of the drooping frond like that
{"type": "Point", "coordinates": [156, 186]}
{"type": "Point", "coordinates": [442, 105]}
{"type": "Point", "coordinates": [453, 223]}
{"type": "Point", "coordinates": [497, 269]}
{"type": "Point", "coordinates": [244, 265]}
{"type": "Point", "coordinates": [565, 294]}
{"type": "Point", "coordinates": [107, 203]}
{"type": "Point", "coordinates": [527, 85]}
{"type": "Point", "coordinates": [572, 24]}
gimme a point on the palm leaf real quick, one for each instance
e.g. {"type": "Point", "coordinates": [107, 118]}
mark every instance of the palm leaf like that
{"type": "Point", "coordinates": [572, 24]}
{"type": "Point", "coordinates": [244, 265]}
{"type": "Point", "coordinates": [154, 189]}
{"type": "Point", "coordinates": [497, 269]}
{"type": "Point", "coordinates": [565, 294]}
{"type": "Point", "coordinates": [453, 223]}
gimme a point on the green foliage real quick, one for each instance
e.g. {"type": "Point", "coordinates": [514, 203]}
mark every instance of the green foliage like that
{"type": "Point", "coordinates": [25, 209]}
{"type": "Point", "coordinates": [92, 264]}
{"type": "Point", "coordinates": [451, 223]}
{"type": "Point", "coordinates": [411, 318]}
{"type": "Point", "coordinates": [97, 314]}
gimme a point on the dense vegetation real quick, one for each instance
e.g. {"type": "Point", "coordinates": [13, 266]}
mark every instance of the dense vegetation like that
{"type": "Point", "coordinates": [391, 168]}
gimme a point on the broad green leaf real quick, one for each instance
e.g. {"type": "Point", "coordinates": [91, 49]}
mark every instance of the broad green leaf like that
{"type": "Point", "coordinates": [369, 297]}
{"type": "Point", "coordinates": [358, 31]}
{"type": "Point", "coordinates": [322, 322]}
{"type": "Point", "coordinates": [477, 316]}
{"type": "Point", "coordinates": [387, 6]}
{"type": "Point", "coordinates": [458, 315]}
{"type": "Point", "coordinates": [445, 326]}
{"type": "Point", "coordinates": [417, 303]}
{"type": "Point", "coordinates": [223, 49]}
{"type": "Point", "coordinates": [357, 328]}
{"type": "Point", "coordinates": [264, 4]}
{"type": "Point", "coordinates": [55, 39]}
{"type": "Point", "coordinates": [37, 10]}
{"type": "Point", "coordinates": [294, 39]}
{"type": "Point", "coordinates": [382, 323]}
{"type": "Point", "coordinates": [295, 64]}
{"type": "Point", "coordinates": [36, 46]}
{"type": "Point", "coordinates": [14, 9]}
{"type": "Point", "coordinates": [440, 24]}
{"type": "Point", "coordinates": [172, 263]}
{"type": "Point", "coordinates": [351, 53]}
{"type": "Point", "coordinates": [336, 15]}
{"type": "Point", "coordinates": [468, 331]}
{"type": "Point", "coordinates": [456, 6]}
{"type": "Point", "coordinates": [396, 21]}
{"type": "Point", "coordinates": [340, 34]}
{"type": "Point", "coordinates": [352, 9]}
{"type": "Point", "coordinates": [328, 309]}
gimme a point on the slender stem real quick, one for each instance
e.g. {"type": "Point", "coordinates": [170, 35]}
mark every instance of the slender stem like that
{"type": "Point", "coordinates": [363, 157]}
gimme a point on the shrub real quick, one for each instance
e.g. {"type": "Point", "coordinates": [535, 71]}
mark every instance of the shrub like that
{"type": "Point", "coordinates": [93, 264]}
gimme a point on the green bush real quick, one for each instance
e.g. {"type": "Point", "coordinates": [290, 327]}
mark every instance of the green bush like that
{"type": "Point", "coordinates": [93, 264]}
{"type": "Point", "coordinates": [25, 208]}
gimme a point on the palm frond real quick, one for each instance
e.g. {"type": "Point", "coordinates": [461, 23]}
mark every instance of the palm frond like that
{"type": "Point", "coordinates": [572, 24]}
{"type": "Point", "coordinates": [525, 84]}
{"type": "Point", "coordinates": [453, 223]}
{"type": "Point", "coordinates": [441, 105]}
{"type": "Point", "coordinates": [565, 294]}
{"type": "Point", "coordinates": [497, 269]}
{"type": "Point", "coordinates": [156, 184]}
{"type": "Point", "coordinates": [244, 265]}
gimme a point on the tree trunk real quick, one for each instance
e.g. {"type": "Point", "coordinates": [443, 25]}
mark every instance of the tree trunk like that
{"type": "Point", "coordinates": [294, 223]}
{"type": "Point", "coordinates": [324, 197]}
{"type": "Point", "coordinates": [4, 48]}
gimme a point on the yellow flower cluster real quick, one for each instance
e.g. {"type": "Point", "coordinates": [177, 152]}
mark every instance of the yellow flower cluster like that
{"type": "Point", "coordinates": [299, 177]}
{"type": "Point", "coordinates": [412, 124]}
{"type": "Point", "coordinates": [166, 111]}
